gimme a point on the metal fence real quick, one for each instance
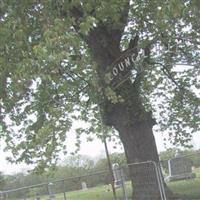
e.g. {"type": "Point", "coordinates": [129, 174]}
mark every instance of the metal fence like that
{"type": "Point", "coordinates": [90, 186]}
{"type": "Point", "coordinates": [147, 181]}
{"type": "Point", "coordinates": [182, 175]}
{"type": "Point", "coordinates": [95, 186]}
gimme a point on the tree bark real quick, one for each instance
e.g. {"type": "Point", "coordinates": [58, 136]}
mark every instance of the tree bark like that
{"type": "Point", "coordinates": [135, 125]}
{"type": "Point", "coordinates": [129, 117]}
{"type": "Point", "coordinates": [139, 145]}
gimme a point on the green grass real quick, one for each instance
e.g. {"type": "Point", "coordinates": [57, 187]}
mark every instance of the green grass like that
{"type": "Point", "coordinates": [187, 189]}
{"type": "Point", "coordinates": [96, 193]}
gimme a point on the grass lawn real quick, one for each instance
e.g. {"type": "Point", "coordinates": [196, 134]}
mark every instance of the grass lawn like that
{"type": "Point", "coordinates": [186, 189]}
{"type": "Point", "coordinates": [96, 193]}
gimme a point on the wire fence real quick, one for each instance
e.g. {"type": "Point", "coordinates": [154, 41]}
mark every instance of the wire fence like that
{"type": "Point", "coordinates": [91, 186]}
{"type": "Point", "coordinates": [181, 174]}
{"type": "Point", "coordinates": [96, 186]}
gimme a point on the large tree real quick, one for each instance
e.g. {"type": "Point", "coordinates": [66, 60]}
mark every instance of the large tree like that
{"type": "Point", "coordinates": [56, 61]}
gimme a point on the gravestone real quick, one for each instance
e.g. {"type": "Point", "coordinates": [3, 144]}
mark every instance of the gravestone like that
{"type": "Point", "coordinates": [117, 172]}
{"type": "Point", "coordinates": [84, 186]}
{"type": "Point", "coordinates": [50, 190]}
{"type": "Point", "coordinates": [180, 168]}
{"type": "Point", "coordinates": [37, 196]}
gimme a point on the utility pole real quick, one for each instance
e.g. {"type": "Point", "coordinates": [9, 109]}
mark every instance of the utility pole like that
{"type": "Point", "coordinates": [108, 156]}
{"type": "Point", "coordinates": [109, 165]}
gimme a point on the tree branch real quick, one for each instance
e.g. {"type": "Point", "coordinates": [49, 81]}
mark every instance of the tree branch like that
{"type": "Point", "coordinates": [168, 73]}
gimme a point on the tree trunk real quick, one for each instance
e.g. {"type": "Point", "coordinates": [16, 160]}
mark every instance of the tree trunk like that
{"type": "Point", "coordinates": [129, 117]}
{"type": "Point", "coordinates": [139, 144]}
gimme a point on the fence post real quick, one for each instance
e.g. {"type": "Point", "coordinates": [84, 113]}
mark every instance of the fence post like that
{"type": "Point", "coordinates": [160, 181]}
{"type": "Point", "coordinates": [64, 190]}
{"type": "Point", "coordinates": [123, 184]}
{"type": "Point", "coordinates": [1, 195]}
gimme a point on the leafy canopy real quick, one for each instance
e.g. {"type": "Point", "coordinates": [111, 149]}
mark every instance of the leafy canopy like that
{"type": "Point", "coordinates": [48, 78]}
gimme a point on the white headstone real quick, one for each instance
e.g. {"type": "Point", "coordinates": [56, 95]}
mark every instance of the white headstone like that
{"type": "Point", "coordinates": [50, 190]}
{"type": "Point", "coordinates": [37, 196]}
{"type": "Point", "coordinates": [117, 172]}
{"type": "Point", "coordinates": [84, 186]}
{"type": "Point", "coordinates": [180, 168]}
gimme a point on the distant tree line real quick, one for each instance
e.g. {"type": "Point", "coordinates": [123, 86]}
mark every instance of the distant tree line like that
{"type": "Point", "coordinates": [74, 166]}
{"type": "Point", "coordinates": [80, 166]}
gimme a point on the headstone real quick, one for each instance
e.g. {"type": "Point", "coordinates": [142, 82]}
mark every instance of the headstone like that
{"type": "Point", "coordinates": [84, 186]}
{"type": "Point", "coordinates": [180, 168]}
{"type": "Point", "coordinates": [50, 190]}
{"type": "Point", "coordinates": [37, 196]}
{"type": "Point", "coordinates": [117, 172]}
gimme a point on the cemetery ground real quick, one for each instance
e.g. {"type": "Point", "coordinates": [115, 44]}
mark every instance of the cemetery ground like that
{"type": "Point", "coordinates": [187, 190]}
